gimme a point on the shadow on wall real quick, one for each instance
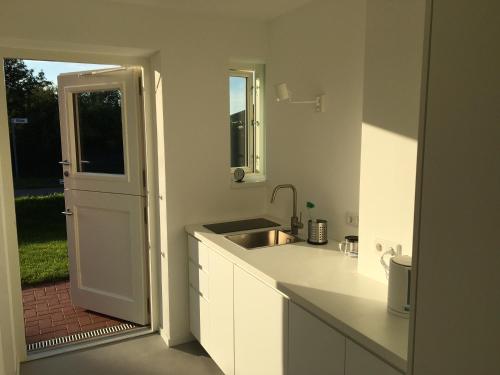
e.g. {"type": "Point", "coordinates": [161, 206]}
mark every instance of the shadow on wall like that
{"type": "Point", "coordinates": [393, 64]}
{"type": "Point", "coordinates": [391, 108]}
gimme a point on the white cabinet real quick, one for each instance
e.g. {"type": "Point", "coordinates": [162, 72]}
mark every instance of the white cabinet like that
{"type": "Point", "coordinates": [260, 327]}
{"type": "Point", "coordinates": [199, 313]}
{"type": "Point", "coordinates": [315, 348]}
{"type": "Point", "coordinates": [361, 362]}
{"type": "Point", "coordinates": [199, 318]}
{"type": "Point", "coordinates": [249, 327]}
{"type": "Point", "coordinates": [198, 253]}
{"type": "Point", "coordinates": [211, 303]}
{"type": "Point", "coordinates": [221, 312]}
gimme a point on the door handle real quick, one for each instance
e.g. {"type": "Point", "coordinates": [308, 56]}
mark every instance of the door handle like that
{"type": "Point", "coordinates": [65, 162]}
{"type": "Point", "coordinates": [67, 212]}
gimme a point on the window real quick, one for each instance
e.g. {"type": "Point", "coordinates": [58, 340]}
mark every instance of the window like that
{"type": "Point", "coordinates": [98, 126]}
{"type": "Point", "coordinates": [245, 120]}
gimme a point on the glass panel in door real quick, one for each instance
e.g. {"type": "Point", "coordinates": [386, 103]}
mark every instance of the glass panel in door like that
{"type": "Point", "coordinates": [99, 132]}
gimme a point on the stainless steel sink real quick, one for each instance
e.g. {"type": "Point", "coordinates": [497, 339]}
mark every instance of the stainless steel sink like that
{"type": "Point", "coordinates": [263, 239]}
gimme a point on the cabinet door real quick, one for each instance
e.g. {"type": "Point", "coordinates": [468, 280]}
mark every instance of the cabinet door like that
{"type": "Point", "coordinates": [199, 318]}
{"type": "Point", "coordinates": [199, 309]}
{"type": "Point", "coordinates": [361, 362]}
{"type": "Point", "coordinates": [261, 327]}
{"type": "Point", "coordinates": [315, 348]}
{"type": "Point", "coordinates": [221, 312]}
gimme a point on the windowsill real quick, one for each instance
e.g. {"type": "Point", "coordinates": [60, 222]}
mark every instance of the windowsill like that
{"type": "Point", "coordinates": [250, 181]}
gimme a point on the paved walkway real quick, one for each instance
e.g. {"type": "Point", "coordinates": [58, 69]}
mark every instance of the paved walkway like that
{"type": "Point", "coordinates": [49, 313]}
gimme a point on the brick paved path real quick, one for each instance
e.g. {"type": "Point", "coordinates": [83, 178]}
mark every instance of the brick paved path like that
{"type": "Point", "coordinates": [49, 313]}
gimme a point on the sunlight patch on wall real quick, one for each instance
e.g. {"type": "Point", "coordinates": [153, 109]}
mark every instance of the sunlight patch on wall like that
{"type": "Point", "coordinates": [387, 195]}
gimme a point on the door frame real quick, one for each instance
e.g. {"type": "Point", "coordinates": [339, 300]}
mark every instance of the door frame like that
{"type": "Point", "coordinates": [8, 229]}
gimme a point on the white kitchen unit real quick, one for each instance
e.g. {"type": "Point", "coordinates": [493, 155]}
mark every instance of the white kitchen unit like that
{"type": "Point", "coordinates": [198, 292]}
{"type": "Point", "coordinates": [361, 362]}
{"type": "Point", "coordinates": [290, 310]}
{"type": "Point", "coordinates": [221, 312]}
{"type": "Point", "coordinates": [211, 303]}
{"type": "Point", "coordinates": [260, 327]}
{"type": "Point", "coordinates": [315, 348]}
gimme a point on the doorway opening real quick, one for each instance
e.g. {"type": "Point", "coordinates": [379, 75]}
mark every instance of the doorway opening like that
{"type": "Point", "coordinates": [70, 209]}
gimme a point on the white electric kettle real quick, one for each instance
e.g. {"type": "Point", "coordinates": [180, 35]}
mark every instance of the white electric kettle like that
{"type": "Point", "coordinates": [398, 299]}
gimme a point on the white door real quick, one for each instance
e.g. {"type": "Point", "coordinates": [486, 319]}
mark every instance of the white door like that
{"type": "Point", "coordinates": [103, 167]}
{"type": "Point", "coordinates": [101, 131]}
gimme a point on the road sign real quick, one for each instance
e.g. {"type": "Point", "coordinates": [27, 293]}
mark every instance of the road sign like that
{"type": "Point", "coordinates": [19, 120]}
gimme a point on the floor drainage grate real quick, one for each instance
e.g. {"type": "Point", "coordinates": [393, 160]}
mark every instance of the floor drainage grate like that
{"type": "Point", "coordinates": [48, 344]}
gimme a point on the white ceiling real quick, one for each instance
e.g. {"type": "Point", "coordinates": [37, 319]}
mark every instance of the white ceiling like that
{"type": "Point", "coordinates": [251, 9]}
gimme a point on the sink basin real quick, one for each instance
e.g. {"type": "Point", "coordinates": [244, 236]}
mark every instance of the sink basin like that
{"type": "Point", "coordinates": [263, 239]}
{"type": "Point", "coordinates": [241, 225]}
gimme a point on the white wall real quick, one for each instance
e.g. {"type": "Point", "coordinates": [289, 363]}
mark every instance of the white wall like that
{"type": "Point", "coordinates": [8, 357]}
{"type": "Point", "coordinates": [3, 368]}
{"type": "Point", "coordinates": [11, 320]}
{"type": "Point", "coordinates": [392, 78]}
{"type": "Point", "coordinates": [318, 48]}
{"type": "Point", "coordinates": [457, 319]}
{"type": "Point", "coordinates": [194, 53]}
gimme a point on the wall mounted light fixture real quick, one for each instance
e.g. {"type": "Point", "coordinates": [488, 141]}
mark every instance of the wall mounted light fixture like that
{"type": "Point", "coordinates": [285, 95]}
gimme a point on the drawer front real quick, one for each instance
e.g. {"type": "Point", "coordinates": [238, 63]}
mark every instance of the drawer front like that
{"type": "Point", "coordinates": [198, 253]}
{"type": "Point", "coordinates": [198, 279]}
{"type": "Point", "coordinates": [199, 319]}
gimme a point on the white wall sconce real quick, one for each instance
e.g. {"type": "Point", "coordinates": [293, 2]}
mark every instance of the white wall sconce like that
{"type": "Point", "coordinates": [285, 95]}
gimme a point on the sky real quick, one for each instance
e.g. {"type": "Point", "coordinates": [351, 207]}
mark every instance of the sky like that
{"type": "Point", "coordinates": [237, 90]}
{"type": "Point", "coordinates": [53, 69]}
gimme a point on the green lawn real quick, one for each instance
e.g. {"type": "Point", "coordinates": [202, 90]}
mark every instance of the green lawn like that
{"type": "Point", "coordinates": [42, 239]}
{"type": "Point", "coordinates": [35, 183]}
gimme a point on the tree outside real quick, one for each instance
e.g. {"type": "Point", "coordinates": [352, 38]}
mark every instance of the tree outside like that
{"type": "Point", "coordinates": [38, 143]}
{"type": "Point", "coordinates": [41, 227]}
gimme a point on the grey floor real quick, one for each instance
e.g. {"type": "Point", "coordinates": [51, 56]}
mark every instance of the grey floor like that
{"type": "Point", "coordinates": [143, 355]}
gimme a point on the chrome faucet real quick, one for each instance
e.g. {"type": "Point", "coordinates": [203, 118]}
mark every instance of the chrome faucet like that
{"type": "Point", "coordinates": [295, 222]}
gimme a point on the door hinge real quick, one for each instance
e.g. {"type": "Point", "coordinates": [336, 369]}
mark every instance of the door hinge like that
{"type": "Point", "coordinates": [140, 85]}
{"type": "Point", "coordinates": [145, 214]}
{"type": "Point", "coordinates": [149, 306]}
{"type": "Point", "coordinates": [144, 178]}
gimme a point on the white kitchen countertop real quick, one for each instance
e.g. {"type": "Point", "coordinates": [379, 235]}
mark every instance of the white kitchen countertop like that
{"type": "Point", "coordinates": [326, 283]}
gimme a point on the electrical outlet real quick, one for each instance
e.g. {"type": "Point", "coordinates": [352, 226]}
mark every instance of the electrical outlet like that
{"type": "Point", "coordinates": [382, 246]}
{"type": "Point", "coordinates": [352, 219]}
{"type": "Point", "coordinates": [387, 249]}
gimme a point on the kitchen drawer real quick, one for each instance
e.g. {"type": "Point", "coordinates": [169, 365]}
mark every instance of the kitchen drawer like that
{"type": "Point", "coordinates": [198, 279]}
{"type": "Point", "coordinates": [199, 319]}
{"type": "Point", "coordinates": [198, 253]}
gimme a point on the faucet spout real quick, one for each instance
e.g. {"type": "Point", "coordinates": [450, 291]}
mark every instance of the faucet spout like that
{"type": "Point", "coordinates": [295, 221]}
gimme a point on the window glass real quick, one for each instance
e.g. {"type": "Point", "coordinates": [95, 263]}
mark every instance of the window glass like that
{"type": "Point", "coordinates": [99, 135]}
{"type": "Point", "coordinates": [238, 120]}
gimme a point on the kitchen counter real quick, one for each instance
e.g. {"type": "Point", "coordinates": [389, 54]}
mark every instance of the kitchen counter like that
{"type": "Point", "coordinates": [325, 282]}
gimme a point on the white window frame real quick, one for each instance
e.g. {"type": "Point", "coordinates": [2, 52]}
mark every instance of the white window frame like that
{"type": "Point", "coordinates": [255, 120]}
{"type": "Point", "coordinates": [249, 120]}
